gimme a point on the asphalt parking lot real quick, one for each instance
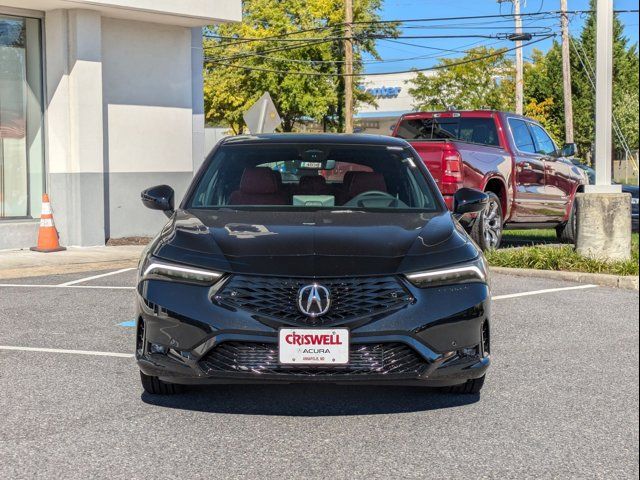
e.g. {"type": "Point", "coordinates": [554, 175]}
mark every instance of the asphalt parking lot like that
{"type": "Point", "coordinates": [561, 398]}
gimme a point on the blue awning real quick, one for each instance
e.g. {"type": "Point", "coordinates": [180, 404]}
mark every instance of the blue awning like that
{"type": "Point", "coordinates": [376, 114]}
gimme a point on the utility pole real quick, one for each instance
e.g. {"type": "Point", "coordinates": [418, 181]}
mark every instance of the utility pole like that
{"type": "Point", "coordinates": [566, 74]}
{"type": "Point", "coordinates": [517, 37]}
{"type": "Point", "coordinates": [519, 61]}
{"type": "Point", "coordinates": [348, 66]}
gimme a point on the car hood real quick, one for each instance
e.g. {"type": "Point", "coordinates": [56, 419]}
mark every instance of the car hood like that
{"type": "Point", "coordinates": [632, 189]}
{"type": "Point", "coordinates": [320, 243]}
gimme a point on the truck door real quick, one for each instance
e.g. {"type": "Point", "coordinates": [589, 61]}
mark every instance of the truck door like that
{"type": "Point", "coordinates": [558, 179]}
{"type": "Point", "coordinates": [530, 196]}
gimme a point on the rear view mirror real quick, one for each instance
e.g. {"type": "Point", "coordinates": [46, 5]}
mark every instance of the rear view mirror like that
{"type": "Point", "coordinates": [159, 197]}
{"type": "Point", "coordinates": [469, 200]}
{"type": "Point", "coordinates": [569, 150]}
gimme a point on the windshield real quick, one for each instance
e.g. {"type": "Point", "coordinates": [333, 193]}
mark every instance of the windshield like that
{"type": "Point", "coordinates": [290, 176]}
{"type": "Point", "coordinates": [480, 130]}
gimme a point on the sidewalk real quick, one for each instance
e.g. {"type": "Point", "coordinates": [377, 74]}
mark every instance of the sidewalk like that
{"type": "Point", "coordinates": [25, 263]}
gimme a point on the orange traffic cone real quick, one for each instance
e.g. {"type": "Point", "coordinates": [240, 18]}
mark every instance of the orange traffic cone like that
{"type": "Point", "coordinates": [47, 235]}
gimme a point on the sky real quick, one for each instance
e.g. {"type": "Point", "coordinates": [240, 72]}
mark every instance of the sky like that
{"type": "Point", "coordinates": [393, 52]}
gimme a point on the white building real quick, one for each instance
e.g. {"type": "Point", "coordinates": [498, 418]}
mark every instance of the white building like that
{"type": "Point", "coordinates": [393, 98]}
{"type": "Point", "coordinates": [99, 99]}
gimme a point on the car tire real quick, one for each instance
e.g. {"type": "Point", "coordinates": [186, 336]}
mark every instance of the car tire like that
{"type": "Point", "coordinates": [487, 229]}
{"type": "Point", "coordinates": [154, 386]}
{"type": "Point", "coordinates": [566, 232]}
{"type": "Point", "coordinates": [470, 387]}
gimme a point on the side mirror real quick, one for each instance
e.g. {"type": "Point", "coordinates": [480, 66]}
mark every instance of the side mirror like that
{"type": "Point", "coordinates": [569, 150]}
{"type": "Point", "coordinates": [469, 200]}
{"type": "Point", "coordinates": [159, 197]}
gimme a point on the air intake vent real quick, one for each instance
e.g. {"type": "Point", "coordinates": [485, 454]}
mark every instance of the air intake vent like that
{"type": "Point", "coordinates": [277, 298]}
{"type": "Point", "coordinates": [384, 359]}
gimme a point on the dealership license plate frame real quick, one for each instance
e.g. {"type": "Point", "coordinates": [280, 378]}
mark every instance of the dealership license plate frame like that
{"type": "Point", "coordinates": [341, 360]}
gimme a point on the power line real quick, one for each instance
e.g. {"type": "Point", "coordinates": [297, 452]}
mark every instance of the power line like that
{"type": "Point", "coordinates": [239, 40]}
{"type": "Point", "coordinates": [274, 50]}
{"type": "Point", "coordinates": [448, 50]}
{"type": "Point", "coordinates": [418, 37]}
{"type": "Point", "coordinates": [310, 61]}
{"type": "Point", "coordinates": [280, 37]}
{"type": "Point", "coordinates": [302, 43]}
{"type": "Point", "coordinates": [406, 37]}
{"type": "Point", "coordinates": [532, 14]}
{"type": "Point", "coordinates": [436, 67]}
{"type": "Point", "coordinates": [310, 42]}
{"type": "Point", "coordinates": [366, 62]}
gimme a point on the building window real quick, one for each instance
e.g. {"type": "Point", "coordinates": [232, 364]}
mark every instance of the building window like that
{"type": "Point", "coordinates": [21, 117]}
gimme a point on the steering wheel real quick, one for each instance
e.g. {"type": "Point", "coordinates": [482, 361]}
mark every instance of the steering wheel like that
{"type": "Point", "coordinates": [360, 199]}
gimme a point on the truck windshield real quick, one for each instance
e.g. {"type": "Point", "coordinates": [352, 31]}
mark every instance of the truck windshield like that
{"type": "Point", "coordinates": [479, 130]}
{"type": "Point", "coordinates": [285, 176]}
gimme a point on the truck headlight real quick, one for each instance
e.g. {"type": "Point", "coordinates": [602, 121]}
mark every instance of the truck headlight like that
{"type": "Point", "coordinates": [472, 272]}
{"type": "Point", "coordinates": [160, 270]}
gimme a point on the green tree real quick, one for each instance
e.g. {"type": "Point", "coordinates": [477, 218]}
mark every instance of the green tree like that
{"type": "Point", "coordinates": [625, 80]}
{"type": "Point", "coordinates": [543, 90]}
{"type": "Point", "coordinates": [543, 112]}
{"type": "Point", "coordinates": [485, 80]}
{"type": "Point", "coordinates": [230, 90]}
{"type": "Point", "coordinates": [543, 82]}
{"type": "Point", "coordinates": [628, 118]}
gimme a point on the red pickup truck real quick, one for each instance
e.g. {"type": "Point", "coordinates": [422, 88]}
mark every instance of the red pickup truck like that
{"type": "Point", "coordinates": [531, 183]}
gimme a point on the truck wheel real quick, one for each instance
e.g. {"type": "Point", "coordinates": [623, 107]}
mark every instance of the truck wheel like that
{"type": "Point", "coordinates": [487, 229]}
{"type": "Point", "coordinates": [567, 232]}
{"type": "Point", "coordinates": [155, 386]}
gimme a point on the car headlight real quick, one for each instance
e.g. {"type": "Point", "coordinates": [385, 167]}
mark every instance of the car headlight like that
{"type": "Point", "coordinates": [158, 270]}
{"type": "Point", "coordinates": [634, 201]}
{"type": "Point", "coordinates": [472, 272]}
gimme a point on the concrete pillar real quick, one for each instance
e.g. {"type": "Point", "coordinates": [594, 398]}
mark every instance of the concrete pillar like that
{"type": "Point", "coordinates": [604, 225]}
{"type": "Point", "coordinates": [75, 125]}
{"type": "Point", "coordinates": [197, 98]}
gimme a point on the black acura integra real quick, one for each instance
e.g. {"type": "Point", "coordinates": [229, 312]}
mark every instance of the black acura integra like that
{"type": "Point", "coordinates": [313, 258]}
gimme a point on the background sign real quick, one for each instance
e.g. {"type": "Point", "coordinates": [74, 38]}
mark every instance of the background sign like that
{"type": "Point", "coordinates": [262, 117]}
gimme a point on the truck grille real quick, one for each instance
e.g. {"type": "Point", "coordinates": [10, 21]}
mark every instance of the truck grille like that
{"type": "Point", "coordinates": [277, 298]}
{"type": "Point", "coordinates": [386, 359]}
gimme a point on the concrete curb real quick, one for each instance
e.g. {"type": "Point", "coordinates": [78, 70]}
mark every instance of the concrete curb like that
{"type": "Point", "coordinates": [33, 267]}
{"type": "Point", "coordinates": [47, 270]}
{"type": "Point", "coordinates": [615, 281]}
{"type": "Point", "coordinates": [25, 263]}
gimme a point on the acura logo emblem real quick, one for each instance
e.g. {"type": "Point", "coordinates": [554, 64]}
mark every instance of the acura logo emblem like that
{"type": "Point", "coordinates": [314, 300]}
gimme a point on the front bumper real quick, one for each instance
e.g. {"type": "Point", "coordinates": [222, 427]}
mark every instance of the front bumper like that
{"type": "Point", "coordinates": [185, 337]}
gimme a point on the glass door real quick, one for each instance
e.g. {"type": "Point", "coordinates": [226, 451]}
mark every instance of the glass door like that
{"type": "Point", "coordinates": [21, 119]}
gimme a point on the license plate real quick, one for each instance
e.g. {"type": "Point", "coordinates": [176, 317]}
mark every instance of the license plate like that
{"type": "Point", "coordinates": [316, 165]}
{"type": "Point", "coordinates": [307, 346]}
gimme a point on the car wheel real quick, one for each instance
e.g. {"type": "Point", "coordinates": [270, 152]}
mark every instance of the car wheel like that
{"type": "Point", "coordinates": [470, 387]}
{"type": "Point", "coordinates": [155, 386]}
{"type": "Point", "coordinates": [566, 233]}
{"type": "Point", "coordinates": [487, 229]}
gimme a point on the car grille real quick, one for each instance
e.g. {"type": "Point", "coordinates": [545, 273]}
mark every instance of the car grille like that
{"type": "Point", "coordinates": [277, 298]}
{"type": "Point", "coordinates": [388, 359]}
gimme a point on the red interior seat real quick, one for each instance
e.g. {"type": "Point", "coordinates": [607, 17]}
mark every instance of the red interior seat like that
{"type": "Point", "coordinates": [313, 185]}
{"type": "Point", "coordinates": [258, 186]}
{"type": "Point", "coordinates": [366, 181]}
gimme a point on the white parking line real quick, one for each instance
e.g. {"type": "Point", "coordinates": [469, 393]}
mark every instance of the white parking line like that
{"type": "Point", "coordinates": [86, 279]}
{"type": "Point", "coordinates": [99, 287]}
{"type": "Point", "coordinates": [541, 292]}
{"type": "Point", "coordinates": [129, 355]}
{"type": "Point", "coordinates": [73, 352]}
